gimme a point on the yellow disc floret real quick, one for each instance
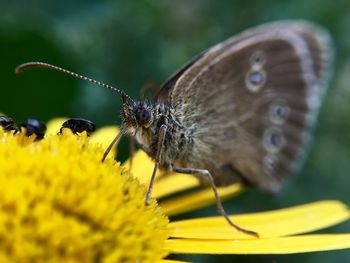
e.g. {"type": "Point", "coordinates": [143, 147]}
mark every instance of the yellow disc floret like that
{"type": "Point", "coordinates": [59, 203]}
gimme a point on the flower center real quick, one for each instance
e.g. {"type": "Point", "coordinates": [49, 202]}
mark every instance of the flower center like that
{"type": "Point", "coordinates": [58, 202]}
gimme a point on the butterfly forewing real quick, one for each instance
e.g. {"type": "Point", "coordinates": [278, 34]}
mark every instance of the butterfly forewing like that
{"type": "Point", "coordinates": [248, 103]}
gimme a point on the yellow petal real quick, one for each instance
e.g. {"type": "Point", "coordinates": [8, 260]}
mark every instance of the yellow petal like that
{"type": "Point", "coordinates": [282, 245]}
{"type": "Point", "coordinates": [283, 222]}
{"type": "Point", "coordinates": [171, 261]}
{"type": "Point", "coordinates": [142, 169]}
{"type": "Point", "coordinates": [105, 136]}
{"type": "Point", "coordinates": [198, 199]}
{"type": "Point", "coordinates": [54, 125]}
{"type": "Point", "coordinates": [174, 183]}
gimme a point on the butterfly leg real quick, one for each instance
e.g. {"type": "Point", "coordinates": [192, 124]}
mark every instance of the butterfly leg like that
{"type": "Point", "coordinates": [131, 150]}
{"type": "Point", "coordinates": [161, 138]}
{"type": "Point", "coordinates": [123, 130]}
{"type": "Point", "coordinates": [207, 175]}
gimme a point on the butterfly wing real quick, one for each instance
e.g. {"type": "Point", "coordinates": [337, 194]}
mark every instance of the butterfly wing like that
{"type": "Point", "coordinates": [247, 103]}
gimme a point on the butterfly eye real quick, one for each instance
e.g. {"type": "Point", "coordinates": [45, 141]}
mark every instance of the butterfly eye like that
{"type": "Point", "coordinates": [144, 117]}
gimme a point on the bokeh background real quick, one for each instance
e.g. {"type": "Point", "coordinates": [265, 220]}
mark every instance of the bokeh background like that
{"type": "Point", "coordinates": [137, 45]}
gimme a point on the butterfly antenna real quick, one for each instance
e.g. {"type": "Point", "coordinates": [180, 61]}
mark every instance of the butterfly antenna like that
{"type": "Point", "coordinates": [29, 65]}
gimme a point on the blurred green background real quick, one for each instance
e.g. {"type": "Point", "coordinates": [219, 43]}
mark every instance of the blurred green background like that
{"type": "Point", "coordinates": [138, 44]}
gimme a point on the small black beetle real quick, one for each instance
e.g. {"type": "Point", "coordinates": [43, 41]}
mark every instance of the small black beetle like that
{"type": "Point", "coordinates": [8, 124]}
{"type": "Point", "coordinates": [78, 125]}
{"type": "Point", "coordinates": [34, 126]}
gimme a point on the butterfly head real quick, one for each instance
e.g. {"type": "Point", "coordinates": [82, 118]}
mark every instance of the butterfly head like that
{"type": "Point", "coordinates": [139, 114]}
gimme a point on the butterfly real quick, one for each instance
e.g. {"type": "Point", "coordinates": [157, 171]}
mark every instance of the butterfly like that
{"type": "Point", "coordinates": [240, 111]}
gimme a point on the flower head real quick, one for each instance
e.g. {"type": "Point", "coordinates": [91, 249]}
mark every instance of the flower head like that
{"type": "Point", "coordinates": [60, 203]}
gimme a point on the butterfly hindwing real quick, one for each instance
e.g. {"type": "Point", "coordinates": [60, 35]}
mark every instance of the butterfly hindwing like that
{"type": "Point", "coordinates": [249, 102]}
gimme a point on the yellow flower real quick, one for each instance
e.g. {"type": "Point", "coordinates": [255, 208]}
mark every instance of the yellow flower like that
{"type": "Point", "coordinates": [279, 230]}
{"type": "Point", "coordinates": [59, 203]}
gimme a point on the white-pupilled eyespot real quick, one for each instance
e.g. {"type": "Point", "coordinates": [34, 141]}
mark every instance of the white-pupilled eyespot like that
{"type": "Point", "coordinates": [273, 140]}
{"type": "Point", "coordinates": [257, 59]}
{"type": "Point", "coordinates": [270, 162]}
{"type": "Point", "coordinates": [255, 79]}
{"type": "Point", "coordinates": [278, 112]}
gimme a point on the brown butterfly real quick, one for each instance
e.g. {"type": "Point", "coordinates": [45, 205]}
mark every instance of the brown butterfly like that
{"type": "Point", "coordinates": [239, 112]}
